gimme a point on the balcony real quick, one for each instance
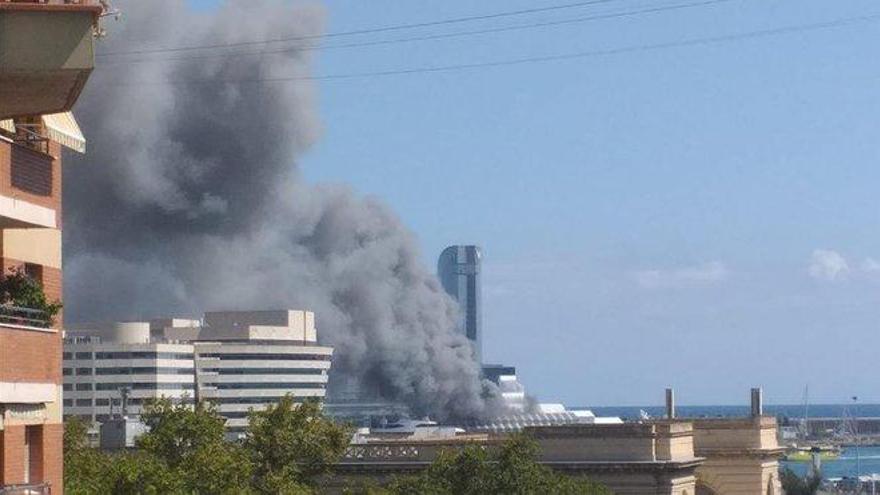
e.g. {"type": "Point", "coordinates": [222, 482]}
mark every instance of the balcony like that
{"type": "Point", "coordinates": [34, 489]}
{"type": "Point", "coordinates": [46, 54]}
{"type": "Point", "coordinates": [26, 318]}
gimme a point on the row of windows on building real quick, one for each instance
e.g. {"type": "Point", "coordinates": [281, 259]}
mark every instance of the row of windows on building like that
{"type": "Point", "coordinates": [174, 355]}
{"type": "Point", "coordinates": [189, 386]}
{"type": "Point", "coordinates": [154, 370]}
{"type": "Point", "coordinates": [136, 401]}
{"type": "Point", "coordinates": [265, 371]}
{"type": "Point", "coordinates": [280, 385]}
{"type": "Point", "coordinates": [126, 371]}
{"type": "Point", "coordinates": [267, 357]}
{"type": "Point", "coordinates": [127, 355]}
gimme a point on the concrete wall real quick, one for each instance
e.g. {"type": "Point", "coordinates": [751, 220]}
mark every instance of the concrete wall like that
{"type": "Point", "coordinates": [46, 56]}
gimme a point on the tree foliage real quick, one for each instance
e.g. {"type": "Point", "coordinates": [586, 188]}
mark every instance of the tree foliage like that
{"type": "Point", "coordinates": [190, 442]}
{"type": "Point", "coordinates": [19, 289]}
{"type": "Point", "coordinates": [291, 445]}
{"type": "Point", "coordinates": [286, 450]}
{"type": "Point", "coordinates": [792, 484]}
{"type": "Point", "coordinates": [185, 452]}
{"type": "Point", "coordinates": [512, 470]}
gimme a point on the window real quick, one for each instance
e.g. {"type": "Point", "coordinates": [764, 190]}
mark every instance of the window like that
{"type": "Point", "coordinates": [252, 400]}
{"type": "Point", "coordinates": [228, 386]}
{"type": "Point", "coordinates": [68, 387]}
{"type": "Point", "coordinates": [143, 371]}
{"type": "Point", "coordinates": [265, 371]}
{"type": "Point", "coordinates": [67, 371]}
{"type": "Point", "coordinates": [66, 355]}
{"type": "Point", "coordinates": [267, 357]}
{"type": "Point", "coordinates": [144, 386]}
{"type": "Point", "coordinates": [83, 386]}
{"type": "Point", "coordinates": [84, 355]}
{"type": "Point", "coordinates": [68, 402]}
{"type": "Point", "coordinates": [83, 402]}
{"type": "Point", "coordinates": [83, 371]}
{"type": "Point", "coordinates": [102, 402]}
{"type": "Point", "coordinates": [143, 355]}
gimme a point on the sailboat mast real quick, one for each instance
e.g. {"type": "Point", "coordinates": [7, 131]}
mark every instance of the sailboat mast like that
{"type": "Point", "coordinates": [806, 423]}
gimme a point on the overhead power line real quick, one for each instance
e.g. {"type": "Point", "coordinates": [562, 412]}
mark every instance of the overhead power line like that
{"type": "Point", "coordinates": [539, 59]}
{"type": "Point", "coordinates": [458, 34]}
{"type": "Point", "coordinates": [381, 29]}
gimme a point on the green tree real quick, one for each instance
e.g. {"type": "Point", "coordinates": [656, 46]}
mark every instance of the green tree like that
{"type": "Point", "coordinates": [141, 473]}
{"type": "Point", "coordinates": [290, 445]}
{"type": "Point", "coordinates": [190, 442]}
{"type": "Point", "coordinates": [513, 469]}
{"type": "Point", "coordinates": [792, 484]}
{"type": "Point", "coordinates": [84, 467]}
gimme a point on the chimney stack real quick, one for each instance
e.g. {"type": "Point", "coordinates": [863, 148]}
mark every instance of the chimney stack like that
{"type": "Point", "coordinates": [670, 403]}
{"type": "Point", "coordinates": [757, 402]}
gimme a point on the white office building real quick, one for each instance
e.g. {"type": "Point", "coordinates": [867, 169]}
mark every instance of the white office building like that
{"type": "Point", "coordinates": [239, 360]}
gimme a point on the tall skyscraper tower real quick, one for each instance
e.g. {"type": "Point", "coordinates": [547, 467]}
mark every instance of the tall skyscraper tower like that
{"type": "Point", "coordinates": [459, 272]}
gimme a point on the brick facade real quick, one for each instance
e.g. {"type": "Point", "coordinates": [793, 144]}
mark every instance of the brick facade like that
{"type": "Point", "coordinates": [32, 453]}
{"type": "Point", "coordinates": [30, 356]}
{"type": "Point", "coordinates": [39, 444]}
{"type": "Point", "coordinates": [32, 175]}
{"type": "Point", "coordinates": [51, 458]}
{"type": "Point", "coordinates": [12, 455]}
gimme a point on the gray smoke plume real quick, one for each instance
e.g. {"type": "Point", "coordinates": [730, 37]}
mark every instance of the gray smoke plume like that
{"type": "Point", "coordinates": [190, 199]}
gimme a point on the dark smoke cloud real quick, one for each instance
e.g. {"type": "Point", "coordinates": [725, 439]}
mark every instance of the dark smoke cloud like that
{"type": "Point", "coordinates": [189, 199]}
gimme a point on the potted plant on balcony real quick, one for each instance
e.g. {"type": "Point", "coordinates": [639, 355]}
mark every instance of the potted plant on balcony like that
{"type": "Point", "coordinates": [22, 301]}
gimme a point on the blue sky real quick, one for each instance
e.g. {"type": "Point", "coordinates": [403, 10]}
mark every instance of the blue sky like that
{"type": "Point", "coordinates": [704, 217]}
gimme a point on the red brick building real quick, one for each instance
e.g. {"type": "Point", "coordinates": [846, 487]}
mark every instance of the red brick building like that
{"type": "Point", "coordinates": [46, 56]}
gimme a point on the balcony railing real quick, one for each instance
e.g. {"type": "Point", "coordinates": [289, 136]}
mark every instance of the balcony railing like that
{"type": "Point", "coordinates": [54, 2]}
{"type": "Point", "coordinates": [34, 489]}
{"type": "Point", "coordinates": [26, 317]}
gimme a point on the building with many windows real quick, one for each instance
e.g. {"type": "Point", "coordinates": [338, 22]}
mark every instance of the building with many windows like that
{"type": "Point", "coordinates": [120, 361]}
{"type": "Point", "coordinates": [239, 360]}
{"type": "Point", "coordinates": [459, 272]}
{"type": "Point", "coordinates": [46, 56]}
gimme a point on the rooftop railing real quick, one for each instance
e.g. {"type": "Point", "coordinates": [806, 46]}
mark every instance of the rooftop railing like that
{"type": "Point", "coordinates": [26, 317]}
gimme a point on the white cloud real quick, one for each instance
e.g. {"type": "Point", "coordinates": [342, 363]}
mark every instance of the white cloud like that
{"type": "Point", "coordinates": [870, 265]}
{"type": "Point", "coordinates": [706, 274]}
{"type": "Point", "coordinates": [826, 264]}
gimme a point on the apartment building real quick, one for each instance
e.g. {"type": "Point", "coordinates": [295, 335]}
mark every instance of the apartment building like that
{"type": "Point", "coordinates": [46, 56]}
{"type": "Point", "coordinates": [238, 360]}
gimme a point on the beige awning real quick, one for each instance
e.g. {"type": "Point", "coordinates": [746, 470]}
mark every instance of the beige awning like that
{"type": "Point", "coordinates": [63, 129]}
{"type": "Point", "coordinates": [7, 125]}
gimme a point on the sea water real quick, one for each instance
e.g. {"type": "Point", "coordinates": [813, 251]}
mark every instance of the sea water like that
{"type": "Point", "coordinates": [866, 458]}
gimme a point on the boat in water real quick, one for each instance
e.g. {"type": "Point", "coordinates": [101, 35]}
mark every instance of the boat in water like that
{"type": "Point", "coordinates": [805, 454]}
